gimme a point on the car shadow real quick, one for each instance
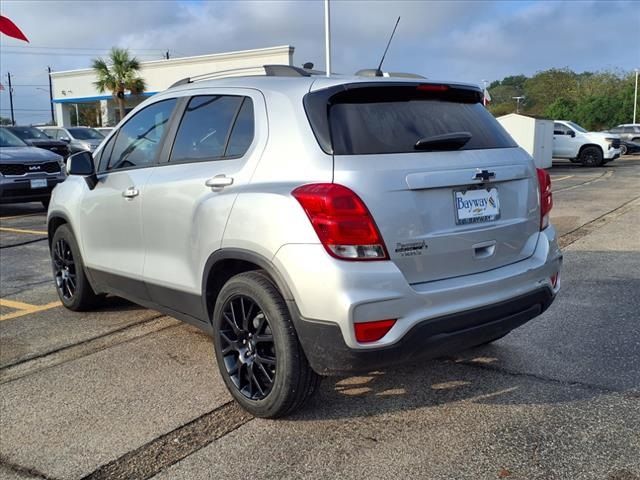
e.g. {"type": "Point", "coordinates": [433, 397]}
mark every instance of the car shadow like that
{"type": "Point", "coordinates": [433, 383]}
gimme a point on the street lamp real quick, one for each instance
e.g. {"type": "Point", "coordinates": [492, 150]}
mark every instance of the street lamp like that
{"type": "Point", "coordinates": [518, 99]}
{"type": "Point", "coordinates": [635, 97]}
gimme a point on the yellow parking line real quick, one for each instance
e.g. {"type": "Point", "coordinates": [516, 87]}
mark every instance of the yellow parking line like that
{"type": "Point", "coordinates": [22, 216]}
{"type": "Point", "coordinates": [561, 178]}
{"type": "Point", "coordinates": [20, 230]}
{"type": "Point", "coordinates": [24, 308]}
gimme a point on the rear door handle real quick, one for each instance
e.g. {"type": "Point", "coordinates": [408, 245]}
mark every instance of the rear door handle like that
{"type": "Point", "coordinates": [131, 192]}
{"type": "Point", "coordinates": [219, 181]}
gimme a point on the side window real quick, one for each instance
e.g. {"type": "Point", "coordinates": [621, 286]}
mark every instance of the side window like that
{"type": "Point", "coordinates": [558, 129]}
{"type": "Point", "coordinates": [242, 134]}
{"type": "Point", "coordinates": [204, 128]}
{"type": "Point", "coordinates": [105, 154]}
{"type": "Point", "coordinates": [628, 130]}
{"type": "Point", "coordinates": [139, 140]}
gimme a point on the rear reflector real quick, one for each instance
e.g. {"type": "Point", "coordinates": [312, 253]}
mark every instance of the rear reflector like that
{"type": "Point", "coordinates": [372, 331]}
{"type": "Point", "coordinates": [546, 198]}
{"type": "Point", "coordinates": [341, 221]}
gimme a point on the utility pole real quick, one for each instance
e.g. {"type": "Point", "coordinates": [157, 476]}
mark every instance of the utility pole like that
{"type": "Point", "coordinates": [13, 120]}
{"type": "Point", "coordinates": [518, 99]}
{"type": "Point", "coordinates": [635, 98]}
{"type": "Point", "coordinates": [53, 118]}
{"type": "Point", "coordinates": [327, 37]}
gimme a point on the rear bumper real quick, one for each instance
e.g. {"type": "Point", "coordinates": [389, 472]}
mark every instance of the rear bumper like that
{"type": "Point", "coordinates": [330, 295]}
{"type": "Point", "coordinates": [18, 189]}
{"type": "Point", "coordinates": [328, 354]}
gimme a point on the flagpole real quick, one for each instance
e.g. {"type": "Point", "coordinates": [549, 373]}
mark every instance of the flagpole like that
{"type": "Point", "coordinates": [635, 98]}
{"type": "Point", "coordinates": [327, 37]}
{"type": "Point", "coordinates": [13, 120]}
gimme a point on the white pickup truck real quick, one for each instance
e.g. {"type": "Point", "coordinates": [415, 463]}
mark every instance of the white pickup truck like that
{"type": "Point", "coordinates": [592, 149]}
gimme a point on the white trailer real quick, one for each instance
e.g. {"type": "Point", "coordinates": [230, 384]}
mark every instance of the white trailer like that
{"type": "Point", "coordinates": [534, 135]}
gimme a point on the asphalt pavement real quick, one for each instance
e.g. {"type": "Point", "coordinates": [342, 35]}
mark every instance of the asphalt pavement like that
{"type": "Point", "coordinates": [125, 392]}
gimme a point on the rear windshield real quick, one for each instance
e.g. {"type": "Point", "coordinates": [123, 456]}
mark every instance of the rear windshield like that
{"type": "Point", "coordinates": [382, 120]}
{"type": "Point", "coordinates": [86, 134]}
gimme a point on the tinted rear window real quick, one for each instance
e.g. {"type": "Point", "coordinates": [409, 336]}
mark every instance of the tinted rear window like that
{"type": "Point", "coordinates": [391, 119]}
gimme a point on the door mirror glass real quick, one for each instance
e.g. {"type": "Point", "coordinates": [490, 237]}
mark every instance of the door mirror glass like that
{"type": "Point", "coordinates": [80, 163]}
{"type": "Point", "coordinates": [65, 139]}
{"type": "Point", "coordinates": [571, 133]}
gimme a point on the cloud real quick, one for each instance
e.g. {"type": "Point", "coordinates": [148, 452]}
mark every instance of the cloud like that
{"type": "Point", "coordinates": [461, 40]}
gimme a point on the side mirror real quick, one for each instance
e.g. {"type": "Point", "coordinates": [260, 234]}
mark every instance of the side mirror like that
{"type": "Point", "coordinates": [81, 163]}
{"type": "Point", "coordinates": [65, 139]}
{"type": "Point", "coordinates": [571, 133]}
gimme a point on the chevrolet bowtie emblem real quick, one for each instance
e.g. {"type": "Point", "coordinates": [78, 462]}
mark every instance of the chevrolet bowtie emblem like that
{"type": "Point", "coordinates": [484, 175]}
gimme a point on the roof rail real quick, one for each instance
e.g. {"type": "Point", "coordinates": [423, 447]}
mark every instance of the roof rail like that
{"type": "Point", "coordinates": [264, 70]}
{"type": "Point", "coordinates": [372, 72]}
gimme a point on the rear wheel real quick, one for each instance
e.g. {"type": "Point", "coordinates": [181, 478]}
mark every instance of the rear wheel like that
{"type": "Point", "coordinates": [257, 349]}
{"type": "Point", "coordinates": [623, 150]}
{"type": "Point", "coordinates": [591, 157]}
{"type": "Point", "coordinates": [72, 284]}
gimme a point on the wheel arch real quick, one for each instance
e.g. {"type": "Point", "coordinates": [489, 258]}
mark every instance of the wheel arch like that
{"type": "Point", "coordinates": [227, 262]}
{"type": "Point", "coordinates": [586, 145]}
{"type": "Point", "coordinates": [55, 221]}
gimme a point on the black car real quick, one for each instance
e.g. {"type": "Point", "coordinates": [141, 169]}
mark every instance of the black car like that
{"type": "Point", "coordinates": [629, 148]}
{"type": "Point", "coordinates": [37, 138]}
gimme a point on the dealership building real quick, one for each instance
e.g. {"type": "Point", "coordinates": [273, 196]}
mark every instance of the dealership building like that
{"type": "Point", "coordinates": [75, 88]}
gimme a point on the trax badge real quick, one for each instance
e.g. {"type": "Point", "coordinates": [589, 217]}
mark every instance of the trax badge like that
{"type": "Point", "coordinates": [410, 249]}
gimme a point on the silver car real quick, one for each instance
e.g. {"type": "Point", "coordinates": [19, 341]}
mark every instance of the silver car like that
{"type": "Point", "coordinates": [78, 138]}
{"type": "Point", "coordinates": [311, 225]}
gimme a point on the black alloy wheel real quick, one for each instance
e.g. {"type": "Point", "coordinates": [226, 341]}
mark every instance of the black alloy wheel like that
{"type": "Point", "coordinates": [64, 269]}
{"type": "Point", "coordinates": [248, 347]}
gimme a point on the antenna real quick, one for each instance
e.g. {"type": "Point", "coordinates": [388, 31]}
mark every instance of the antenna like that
{"type": "Point", "coordinates": [378, 70]}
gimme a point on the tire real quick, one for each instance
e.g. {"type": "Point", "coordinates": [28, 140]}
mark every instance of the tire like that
{"type": "Point", "coordinates": [45, 203]}
{"type": "Point", "coordinates": [623, 150]}
{"type": "Point", "coordinates": [591, 157]}
{"type": "Point", "coordinates": [269, 377]}
{"type": "Point", "coordinates": [71, 282]}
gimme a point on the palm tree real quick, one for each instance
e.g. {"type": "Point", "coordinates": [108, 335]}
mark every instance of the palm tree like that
{"type": "Point", "coordinates": [118, 74]}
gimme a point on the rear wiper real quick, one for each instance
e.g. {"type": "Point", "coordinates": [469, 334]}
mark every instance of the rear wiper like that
{"type": "Point", "coordinates": [447, 141]}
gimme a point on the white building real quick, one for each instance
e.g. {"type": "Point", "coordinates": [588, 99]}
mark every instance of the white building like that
{"type": "Point", "coordinates": [75, 87]}
{"type": "Point", "coordinates": [535, 135]}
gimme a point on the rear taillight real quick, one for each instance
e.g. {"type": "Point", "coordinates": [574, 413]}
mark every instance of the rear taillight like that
{"type": "Point", "coordinates": [342, 221]}
{"type": "Point", "coordinates": [546, 198]}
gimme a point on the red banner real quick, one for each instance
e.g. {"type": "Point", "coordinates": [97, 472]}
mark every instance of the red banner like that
{"type": "Point", "coordinates": [11, 29]}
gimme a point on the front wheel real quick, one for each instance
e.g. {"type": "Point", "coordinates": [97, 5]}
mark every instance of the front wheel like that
{"type": "Point", "coordinates": [257, 349]}
{"type": "Point", "coordinates": [72, 284]}
{"type": "Point", "coordinates": [591, 157]}
{"type": "Point", "coordinates": [623, 150]}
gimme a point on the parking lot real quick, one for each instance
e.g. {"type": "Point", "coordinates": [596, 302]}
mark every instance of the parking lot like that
{"type": "Point", "coordinates": [125, 392]}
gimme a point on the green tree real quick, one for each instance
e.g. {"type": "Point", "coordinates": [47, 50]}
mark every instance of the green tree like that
{"type": "Point", "coordinates": [561, 109]}
{"type": "Point", "coordinates": [119, 73]}
{"type": "Point", "coordinates": [546, 87]}
{"type": "Point", "coordinates": [5, 121]}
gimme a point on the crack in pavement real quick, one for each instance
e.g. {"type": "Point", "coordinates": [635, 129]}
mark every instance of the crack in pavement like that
{"type": "Point", "coordinates": [32, 472]}
{"type": "Point", "coordinates": [599, 222]}
{"type": "Point", "coordinates": [23, 243]}
{"type": "Point", "coordinates": [68, 353]}
{"type": "Point", "coordinates": [168, 449]}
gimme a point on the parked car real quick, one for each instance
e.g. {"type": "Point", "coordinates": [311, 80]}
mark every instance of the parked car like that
{"type": "Point", "coordinates": [105, 131]}
{"type": "Point", "coordinates": [627, 131]}
{"type": "Point", "coordinates": [591, 149]}
{"type": "Point", "coordinates": [629, 148]}
{"type": "Point", "coordinates": [27, 173]}
{"type": "Point", "coordinates": [79, 139]}
{"type": "Point", "coordinates": [33, 136]}
{"type": "Point", "coordinates": [311, 225]}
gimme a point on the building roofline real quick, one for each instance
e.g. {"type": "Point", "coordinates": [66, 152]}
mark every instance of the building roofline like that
{"type": "Point", "coordinates": [193, 59]}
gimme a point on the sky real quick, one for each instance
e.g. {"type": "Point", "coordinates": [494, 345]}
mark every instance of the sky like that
{"type": "Point", "coordinates": [468, 41]}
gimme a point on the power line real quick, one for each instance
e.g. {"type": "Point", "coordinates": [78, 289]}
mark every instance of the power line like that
{"type": "Point", "coordinates": [83, 48]}
{"type": "Point", "coordinates": [26, 109]}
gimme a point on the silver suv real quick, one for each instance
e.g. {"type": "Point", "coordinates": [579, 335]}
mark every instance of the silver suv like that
{"type": "Point", "coordinates": [311, 225]}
